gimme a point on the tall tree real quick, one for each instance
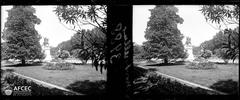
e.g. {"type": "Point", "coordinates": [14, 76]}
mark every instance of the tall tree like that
{"type": "Point", "coordinates": [22, 40]}
{"type": "Point", "coordinates": [164, 40]}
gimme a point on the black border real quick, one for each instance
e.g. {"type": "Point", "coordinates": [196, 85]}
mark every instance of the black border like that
{"type": "Point", "coordinates": [116, 2]}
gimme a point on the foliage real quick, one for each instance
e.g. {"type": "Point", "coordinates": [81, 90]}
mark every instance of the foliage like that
{"type": "Point", "coordinates": [65, 45]}
{"type": "Point", "coordinates": [94, 15]}
{"type": "Point", "coordinates": [206, 54]}
{"type": "Point", "coordinates": [56, 60]}
{"type": "Point", "coordinates": [59, 66]}
{"type": "Point", "coordinates": [9, 80]}
{"type": "Point", "coordinates": [221, 53]}
{"type": "Point", "coordinates": [138, 72]}
{"type": "Point", "coordinates": [232, 45]}
{"type": "Point", "coordinates": [153, 85]}
{"type": "Point", "coordinates": [228, 86]}
{"type": "Point", "coordinates": [216, 42]}
{"type": "Point", "coordinates": [139, 53]}
{"type": "Point", "coordinates": [196, 50]}
{"type": "Point", "coordinates": [164, 40]}
{"type": "Point", "coordinates": [82, 54]}
{"type": "Point", "coordinates": [22, 40]}
{"type": "Point", "coordinates": [3, 50]}
{"type": "Point", "coordinates": [226, 41]}
{"type": "Point", "coordinates": [63, 54]}
{"type": "Point", "coordinates": [226, 14]}
{"type": "Point", "coordinates": [137, 49]}
{"type": "Point", "coordinates": [89, 44]}
{"type": "Point", "coordinates": [201, 65]}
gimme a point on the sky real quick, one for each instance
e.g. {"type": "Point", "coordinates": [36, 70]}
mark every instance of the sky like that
{"type": "Point", "coordinates": [194, 25]}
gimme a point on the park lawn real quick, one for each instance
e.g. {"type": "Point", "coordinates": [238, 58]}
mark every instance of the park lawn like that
{"type": "Point", "coordinates": [62, 77]}
{"type": "Point", "coordinates": [202, 77]}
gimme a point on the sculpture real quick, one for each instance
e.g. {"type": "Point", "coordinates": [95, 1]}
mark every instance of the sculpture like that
{"type": "Point", "coordinates": [46, 49]}
{"type": "Point", "coordinates": [188, 47]}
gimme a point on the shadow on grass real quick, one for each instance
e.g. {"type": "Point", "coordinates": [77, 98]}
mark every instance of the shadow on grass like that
{"type": "Point", "coordinates": [228, 86]}
{"type": "Point", "coordinates": [168, 64]}
{"type": "Point", "coordinates": [89, 87]}
{"type": "Point", "coordinates": [24, 65]}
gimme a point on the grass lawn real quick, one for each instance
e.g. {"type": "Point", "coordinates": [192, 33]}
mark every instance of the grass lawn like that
{"type": "Point", "coordinates": [62, 77]}
{"type": "Point", "coordinates": [202, 77]}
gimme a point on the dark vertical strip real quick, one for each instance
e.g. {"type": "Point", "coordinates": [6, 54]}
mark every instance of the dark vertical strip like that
{"type": "Point", "coordinates": [119, 51]}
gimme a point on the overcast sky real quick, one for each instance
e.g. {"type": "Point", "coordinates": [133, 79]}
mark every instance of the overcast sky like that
{"type": "Point", "coordinates": [194, 24]}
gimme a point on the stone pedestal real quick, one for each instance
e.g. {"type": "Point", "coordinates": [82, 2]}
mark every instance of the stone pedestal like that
{"type": "Point", "coordinates": [190, 53]}
{"type": "Point", "coordinates": [48, 57]}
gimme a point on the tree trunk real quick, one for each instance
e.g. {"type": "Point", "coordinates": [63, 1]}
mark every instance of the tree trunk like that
{"type": "Point", "coordinates": [165, 60]}
{"type": "Point", "coordinates": [23, 62]}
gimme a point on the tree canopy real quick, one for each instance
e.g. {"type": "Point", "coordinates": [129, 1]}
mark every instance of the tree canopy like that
{"type": "Point", "coordinates": [164, 40]}
{"type": "Point", "coordinates": [22, 40]}
{"type": "Point", "coordinates": [221, 14]}
{"type": "Point", "coordinates": [95, 15]}
{"type": "Point", "coordinates": [89, 44]}
{"type": "Point", "coordinates": [228, 41]}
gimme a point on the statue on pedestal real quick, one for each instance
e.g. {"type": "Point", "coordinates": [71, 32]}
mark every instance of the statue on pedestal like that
{"type": "Point", "coordinates": [188, 47]}
{"type": "Point", "coordinates": [46, 49]}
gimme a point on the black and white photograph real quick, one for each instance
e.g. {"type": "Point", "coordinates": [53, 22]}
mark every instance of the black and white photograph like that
{"type": "Point", "coordinates": [53, 50]}
{"type": "Point", "coordinates": [119, 51]}
{"type": "Point", "coordinates": [189, 49]}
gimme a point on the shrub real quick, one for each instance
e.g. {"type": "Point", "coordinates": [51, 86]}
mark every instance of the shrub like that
{"type": "Point", "coordinates": [201, 65]}
{"type": "Point", "coordinates": [55, 60]}
{"type": "Point", "coordinates": [9, 80]}
{"type": "Point", "coordinates": [153, 84]}
{"type": "Point", "coordinates": [63, 54]}
{"type": "Point", "coordinates": [138, 72]}
{"type": "Point", "coordinates": [206, 54]}
{"type": "Point", "coordinates": [59, 66]}
{"type": "Point", "coordinates": [82, 54]}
